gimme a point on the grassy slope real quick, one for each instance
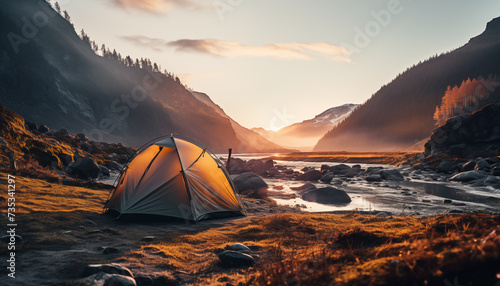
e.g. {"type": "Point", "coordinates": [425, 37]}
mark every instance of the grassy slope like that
{"type": "Point", "coordinates": [308, 248]}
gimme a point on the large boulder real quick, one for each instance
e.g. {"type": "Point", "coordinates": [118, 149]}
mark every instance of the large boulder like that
{"type": "Point", "coordinates": [468, 176]}
{"type": "Point", "coordinates": [468, 136]}
{"type": "Point", "coordinates": [84, 168]}
{"type": "Point", "coordinates": [311, 175]}
{"type": "Point", "coordinates": [327, 195]}
{"type": "Point", "coordinates": [250, 182]}
{"type": "Point", "coordinates": [391, 175]}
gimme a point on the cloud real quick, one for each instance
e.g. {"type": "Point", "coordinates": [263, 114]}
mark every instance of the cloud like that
{"type": "Point", "coordinates": [233, 49]}
{"type": "Point", "coordinates": [155, 6]}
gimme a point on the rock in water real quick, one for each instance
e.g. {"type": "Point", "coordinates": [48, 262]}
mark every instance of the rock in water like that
{"type": "Point", "coordinates": [391, 175]}
{"type": "Point", "coordinates": [468, 176]}
{"type": "Point", "coordinates": [304, 188]}
{"type": "Point", "coordinates": [231, 258]}
{"type": "Point", "coordinates": [327, 195]}
{"type": "Point", "coordinates": [327, 178]}
{"type": "Point", "coordinates": [312, 175]}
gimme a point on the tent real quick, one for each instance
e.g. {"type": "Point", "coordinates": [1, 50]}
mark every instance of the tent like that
{"type": "Point", "coordinates": [175, 177]}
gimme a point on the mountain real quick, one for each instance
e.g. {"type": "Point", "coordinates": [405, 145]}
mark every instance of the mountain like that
{"type": "Point", "coordinates": [401, 113]}
{"type": "Point", "coordinates": [50, 76]}
{"type": "Point", "coordinates": [249, 139]}
{"type": "Point", "coordinates": [305, 134]}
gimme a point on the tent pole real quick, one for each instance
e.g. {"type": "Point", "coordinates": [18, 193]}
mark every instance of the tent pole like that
{"type": "Point", "coordinates": [183, 177]}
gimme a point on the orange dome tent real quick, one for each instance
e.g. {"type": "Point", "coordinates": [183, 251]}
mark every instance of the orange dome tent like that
{"type": "Point", "coordinates": [175, 177]}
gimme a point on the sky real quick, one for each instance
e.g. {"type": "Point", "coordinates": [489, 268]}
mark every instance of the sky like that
{"type": "Point", "coordinates": [273, 63]}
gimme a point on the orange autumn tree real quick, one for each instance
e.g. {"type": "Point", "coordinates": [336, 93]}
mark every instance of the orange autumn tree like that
{"type": "Point", "coordinates": [463, 99]}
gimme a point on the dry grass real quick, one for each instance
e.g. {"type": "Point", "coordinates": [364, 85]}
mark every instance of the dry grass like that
{"type": "Point", "coordinates": [321, 249]}
{"type": "Point", "coordinates": [42, 196]}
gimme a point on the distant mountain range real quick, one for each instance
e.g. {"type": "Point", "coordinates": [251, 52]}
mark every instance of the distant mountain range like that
{"type": "Point", "coordinates": [50, 76]}
{"type": "Point", "coordinates": [304, 135]}
{"type": "Point", "coordinates": [401, 113]}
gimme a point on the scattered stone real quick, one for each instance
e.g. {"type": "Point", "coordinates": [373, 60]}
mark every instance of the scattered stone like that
{"type": "Point", "coordinates": [445, 167]}
{"type": "Point", "coordinates": [113, 165]}
{"type": "Point", "coordinates": [383, 214]}
{"type": "Point", "coordinates": [469, 166]}
{"type": "Point", "coordinates": [327, 195]}
{"type": "Point", "coordinates": [82, 137]}
{"type": "Point", "coordinates": [8, 238]}
{"type": "Point", "coordinates": [240, 248]}
{"type": "Point", "coordinates": [257, 167]}
{"type": "Point", "coordinates": [447, 201]}
{"type": "Point", "coordinates": [238, 166]}
{"type": "Point", "coordinates": [468, 176]}
{"type": "Point", "coordinates": [103, 172]}
{"type": "Point", "coordinates": [327, 178]}
{"type": "Point", "coordinates": [148, 238]}
{"type": "Point", "coordinates": [312, 175]}
{"type": "Point", "coordinates": [268, 164]}
{"type": "Point", "coordinates": [231, 258]}
{"type": "Point", "coordinates": [248, 181]}
{"type": "Point", "coordinates": [304, 188]}
{"type": "Point", "coordinates": [84, 168]}
{"type": "Point", "coordinates": [160, 279]}
{"type": "Point", "coordinates": [373, 178]}
{"type": "Point", "coordinates": [43, 129]}
{"type": "Point", "coordinates": [482, 165]}
{"type": "Point", "coordinates": [112, 268]}
{"type": "Point", "coordinates": [103, 278]}
{"type": "Point", "coordinates": [391, 175]}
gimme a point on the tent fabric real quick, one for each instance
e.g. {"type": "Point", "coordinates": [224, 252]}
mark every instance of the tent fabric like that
{"type": "Point", "coordinates": [177, 178]}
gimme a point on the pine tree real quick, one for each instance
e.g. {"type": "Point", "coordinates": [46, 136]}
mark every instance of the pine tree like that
{"type": "Point", "coordinates": [57, 7]}
{"type": "Point", "coordinates": [66, 16]}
